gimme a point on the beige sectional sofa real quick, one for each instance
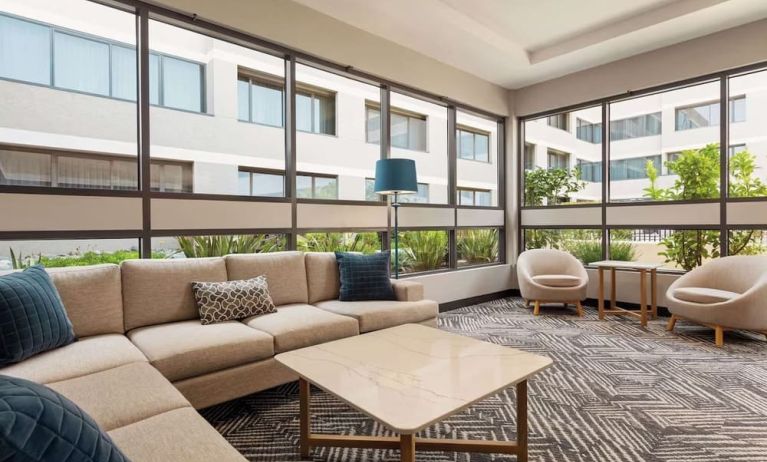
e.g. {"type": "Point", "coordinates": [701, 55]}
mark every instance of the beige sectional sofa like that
{"type": "Point", "coordinates": [143, 362]}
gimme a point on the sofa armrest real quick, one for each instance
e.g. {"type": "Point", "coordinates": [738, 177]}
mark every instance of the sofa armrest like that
{"type": "Point", "coordinates": [407, 291]}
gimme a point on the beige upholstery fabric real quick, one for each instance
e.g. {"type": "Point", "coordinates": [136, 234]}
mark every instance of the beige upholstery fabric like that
{"type": "Point", "coordinates": [186, 349]}
{"type": "Point", "coordinates": [703, 295]}
{"type": "Point", "coordinates": [219, 387]}
{"type": "Point", "coordinates": [123, 395]}
{"type": "Point", "coordinates": [743, 275]}
{"type": "Point", "coordinates": [407, 291]}
{"type": "Point", "coordinates": [380, 314]}
{"type": "Point", "coordinates": [322, 276]}
{"type": "Point", "coordinates": [540, 262]}
{"type": "Point", "coordinates": [85, 356]}
{"type": "Point", "coordinates": [557, 280]}
{"type": "Point", "coordinates": [92, 296]}
{"type": "Point", "coordinates": [285, 273]}
{"type": "Point", "coordinates": [159, 291]}
{"type": "Point", "coordinates": [174, 436]}
{"type": "Point", "coordinates": [430, 322]}
{"type": "Point", "coordinates": [298, 325]}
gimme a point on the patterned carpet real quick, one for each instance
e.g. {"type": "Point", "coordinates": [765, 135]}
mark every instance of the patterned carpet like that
{"type": "Point", "coordinates": [616, 392]}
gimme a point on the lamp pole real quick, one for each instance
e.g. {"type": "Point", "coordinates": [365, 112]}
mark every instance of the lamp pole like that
{"type": "Point", "coordinates": [395, 204]}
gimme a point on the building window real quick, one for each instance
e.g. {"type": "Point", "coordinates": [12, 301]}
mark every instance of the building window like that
{"type": "Point", "coordinates": [421, 197]}
{"type": "Point", "coordinates": [636, 127]}
{"type": "Point", "coordinates": [473, 144]}
{"type": "Point", "coordinates": [262, 183]}
{"type": "Point", "coordinates": [529, 156]}
{"type": "Point", "coordinates": [474, 197]}
{"type": "Point", "coordinates": [373, 123]}
{"type": "Point", "coordinates": [736, 148]}
{"type": "Point", "coordinates": [408, 130]}
{"type": "Point", "coordinates": [30, 63]}
{"type": "Point", "coordinates": [260, 99]}
{"type": "Point", "coordinates": [313, 186]}
{"type": "Point", "coordinates": [558, 160]}
{"type": "Point", "coordinates": [560, 121]}
{"type": "Point", "coordinates": [707, 114]}
{"type": "Point", "coordinates": [315, 110]}
{"type": "Point", "coordinates": [589, 132]}
{"type": "Point", "coordinates": [89, 171]}
{"type": "Point", "coordinates": [634, 168]}
{"type": "Point", "coordinates": [590, 171]}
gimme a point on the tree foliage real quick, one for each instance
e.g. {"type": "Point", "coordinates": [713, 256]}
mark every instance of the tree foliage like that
{"type": "Point", "coordinates": [551, 186]}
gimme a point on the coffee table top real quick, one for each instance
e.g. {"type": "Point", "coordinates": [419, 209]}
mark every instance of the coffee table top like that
{"type": "Point", "coordinates": [411, 376]}
{"type": "Point", "coordinates": [626, 264]}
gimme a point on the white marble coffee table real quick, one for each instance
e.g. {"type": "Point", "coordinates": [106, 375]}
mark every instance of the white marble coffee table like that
{"type": "Point", "coordinates": [409, 377]}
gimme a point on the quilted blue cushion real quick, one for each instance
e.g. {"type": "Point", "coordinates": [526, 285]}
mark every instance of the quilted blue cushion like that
{"type": "Point", "coordinates": [32, 317]}
{"type": "Point", "coordinates": [39, 425]}
{"type": "Point", "coordinates": [364, 277]}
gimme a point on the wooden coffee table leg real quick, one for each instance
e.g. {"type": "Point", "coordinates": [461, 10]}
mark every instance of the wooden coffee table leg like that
{"type": "Point", "coordinates": [407, 447]}
{"type": "Point", "coordinates": [305, 417]}
{"type": "Point", "coordinates": [601, 293]}
{"type": "Point", "coordinates": [643, 297]}
{"type": "Point", "coordinates": [522, 421]}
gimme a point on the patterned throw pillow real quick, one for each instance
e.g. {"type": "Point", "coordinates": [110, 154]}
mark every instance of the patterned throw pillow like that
{"type": "Point", "coordinates": [232, 300]}
{"type": "Point", "coordinates": [40, 425]}
{"type": "Point", "coordinates": [364, 277]}
{"type": "Point", "coordinates": [32, 316]}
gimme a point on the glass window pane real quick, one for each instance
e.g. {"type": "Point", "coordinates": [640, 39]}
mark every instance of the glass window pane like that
{"type": "Point", "coordinates": [422, 251]}
{"type": "Point", "coordinates": [373, 134]}
{"type": "Point", "coordinates": [124, 73]}
{"type": "Point", "coordinates": [181, 84]}
{"type": "Point", "coordinates": [243, 182]}
{"type": "Point", "coordinates": [477, 246]}
{"type": "Point", "coordinates": [370, 194]}
{"type": "Point", "coordinates": [465, 144]}
{"type": "Point", "coordinates": [267, 105]}
{"type": "Point", "coordinates": [154, 79]}
{"type": "Point", "coordinates": [637, 168]}
{"type": "Point", "coordinates": [303, 113]}
{"type": "Point", "coordinates": [479, 176]}
{"type": "Point", "coordinates": [466, 197]}
{"type": "Point", "coordinates": [304, 188]}
{"type": "Point", "coordinates": [583, 244]}
{"type": "Point", "coordinates": [216, 246]}
{"type": "Point", "coordinates": [243, 100]}
{"type": "Point", "coordinates": [269, 185]}
{"type": "Point", "coordinates": [25, 51]}
{"type": "Point", "coordinates": [81, 64]}
{"type": "Point", "coordinates": [71, 252]}
{"type": "Point", "coordinates": [748, 145]}
{"type": "Point", "coordinates": [325, 188]}
{"type": "Point", "coordinates": [215, 146]}
{"type": "Point", "coordinates": [325, 114]}
{"type": "Point", "coordinates": [424, 119]}
{"type": "Point", "coordinates": [481, 148]}
{"type": "Point", "coordinates": [675, 249]}
{"type": "Point", "coordinates": [421, 197]}
{"type": "Point", "coordinates": [362, 242]}
{"type": "Point", "coordinates": [748, 241]}
{"type": "Point", "coordinates": [94, 137]}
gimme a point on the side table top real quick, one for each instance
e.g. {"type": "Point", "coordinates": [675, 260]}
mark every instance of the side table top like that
{"type": "Point", "coordinates": [626, 264]}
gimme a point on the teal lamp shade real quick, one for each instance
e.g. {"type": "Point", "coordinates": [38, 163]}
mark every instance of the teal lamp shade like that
{"type": "Point", "coordinates": [396, 176]}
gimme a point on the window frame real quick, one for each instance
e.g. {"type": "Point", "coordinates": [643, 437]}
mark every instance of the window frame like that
{"type": "Point", "coordinates": [474, 133]}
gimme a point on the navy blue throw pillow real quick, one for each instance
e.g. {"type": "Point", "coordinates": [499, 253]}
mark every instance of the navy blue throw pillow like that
{"type": "Point", "coordinates": [364, 277]}
{"type": "Point", "coordinates": [39, 425]}
{"type": "Point", "coordinates": [32, 316]}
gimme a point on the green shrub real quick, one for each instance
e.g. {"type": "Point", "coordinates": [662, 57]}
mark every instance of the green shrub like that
{"type": "Point", "coordinates": [366, 243]}
{"type": "Point", "coordinates": [74, 259]}
{"type": "Point", "coordinates": [218, 246]}
{"type": "Point", "coordinates": [477, 245]}
{"type": "Point", "coordinates": [424, 250]}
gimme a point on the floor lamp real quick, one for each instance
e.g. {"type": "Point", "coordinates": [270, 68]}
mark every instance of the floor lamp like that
{"type": "Point", "coordinates": [395, 177]}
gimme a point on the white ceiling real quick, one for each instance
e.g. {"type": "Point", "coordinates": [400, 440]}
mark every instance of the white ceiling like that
{"type": "Point", "coordinates": [515, 43]}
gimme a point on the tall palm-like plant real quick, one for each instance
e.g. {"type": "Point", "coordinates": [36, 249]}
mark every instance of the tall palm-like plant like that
{"type": "Point", "coordinates": [424, 250]}
{"type": "Point", "coordinates": [339, 242]}
{"type": "Point", "coordinates": [476, 246]}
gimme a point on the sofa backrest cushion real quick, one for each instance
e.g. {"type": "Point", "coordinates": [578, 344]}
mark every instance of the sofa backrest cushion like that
{"type": "Point", "coordinates": [322, 276]}
{"type": "Point", "coordinates": [92, 296]}
{"type": "Point", "coordinates": [285, 273]}
{"type": "Point", "coordinates": [160, 291]}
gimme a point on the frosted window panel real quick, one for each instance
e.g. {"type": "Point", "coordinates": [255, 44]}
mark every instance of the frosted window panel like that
{"type": "Point", "coordinates": [124, 174]}
{"type": "Point", "coordinates": [25, 51]}
{"type": "Point", "coordinates": [267, 105]}
{"type": "Point", "coordinates": [243, 100]}
{"type": "Point", "coordinates": [25, 168]}
{"type": "Point", "coordinates": [124, 73]}
{"type": "Point", "coordinates": [182, 84]}
{"type": "Point", "coordinates": [268, 185]}
{"type": "Point", "coordinates": [81, 64]}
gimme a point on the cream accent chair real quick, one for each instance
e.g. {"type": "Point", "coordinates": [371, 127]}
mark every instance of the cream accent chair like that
{"type": "Point", "coordinates": [551, 276]}
{"type": "Point", "coordinates": [724, 294]}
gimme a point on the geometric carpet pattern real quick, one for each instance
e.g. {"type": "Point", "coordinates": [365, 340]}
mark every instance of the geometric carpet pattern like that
{"type": "Point", "coordinates": [616, 392]}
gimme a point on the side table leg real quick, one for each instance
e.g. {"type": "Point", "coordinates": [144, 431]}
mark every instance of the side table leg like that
{"type": "Point", "coordinates": [643, 297]}
{"type": "Point", "coordinates": [305, 417]}
{"type": "Point", "coordinates": [407, 447]}
{"type": "Point", "coordinates": [601, 293]}
{"type": "Point", "coordinates": [654, 292]}
{"type": "Point", "coordinates": [522, 421]}
{"type": "Point", "coordinates": [613, 285]}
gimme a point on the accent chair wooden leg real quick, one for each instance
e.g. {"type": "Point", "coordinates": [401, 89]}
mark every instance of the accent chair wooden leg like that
{"type": "Point", "coordinates": [579, 307]}
{"type": "Point", "coordinates": [407, 448]}
{"type": "Point", "coordinates": [671, 323]}
{"type": "Point", "coordinates": [719, 335]}
{"type": "Point", "coordinates": [537, 308]}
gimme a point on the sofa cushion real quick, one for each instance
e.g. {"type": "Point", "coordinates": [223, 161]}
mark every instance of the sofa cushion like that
{"type": "Point", "coordinates": [122, 395]}
{"type": "Point", "coordinates": [285, 273]}
{"type": "Point", "coordinates": [38, 424]}
{"type": "Point", "coordinates": [322, 276]}
{"type": "Point", "coordinates": [92, 296]}
{"type": "Point", "coordinates": [232, 300]}
{"type": "Point", "coordinates": [557, 280]}
{"type": "Point", "coordinates": [364, 277]}
{"type": "Point", "coordinates": [380, 314]}
{"type": "Point", "coordinates": [298, 325]}
{"type": "Point", "coordinates": [703, 295]}
{"type": "Point", "coordinates": [85, 356]}
{"type": "Point", "coordinates": [187, 349]}
{"type": "Point", "coordinates": [32, 316]}
{"type": "Point", "coordinates": [159, 291]}
{"type": "Point", "coordinates": [178, 435]}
